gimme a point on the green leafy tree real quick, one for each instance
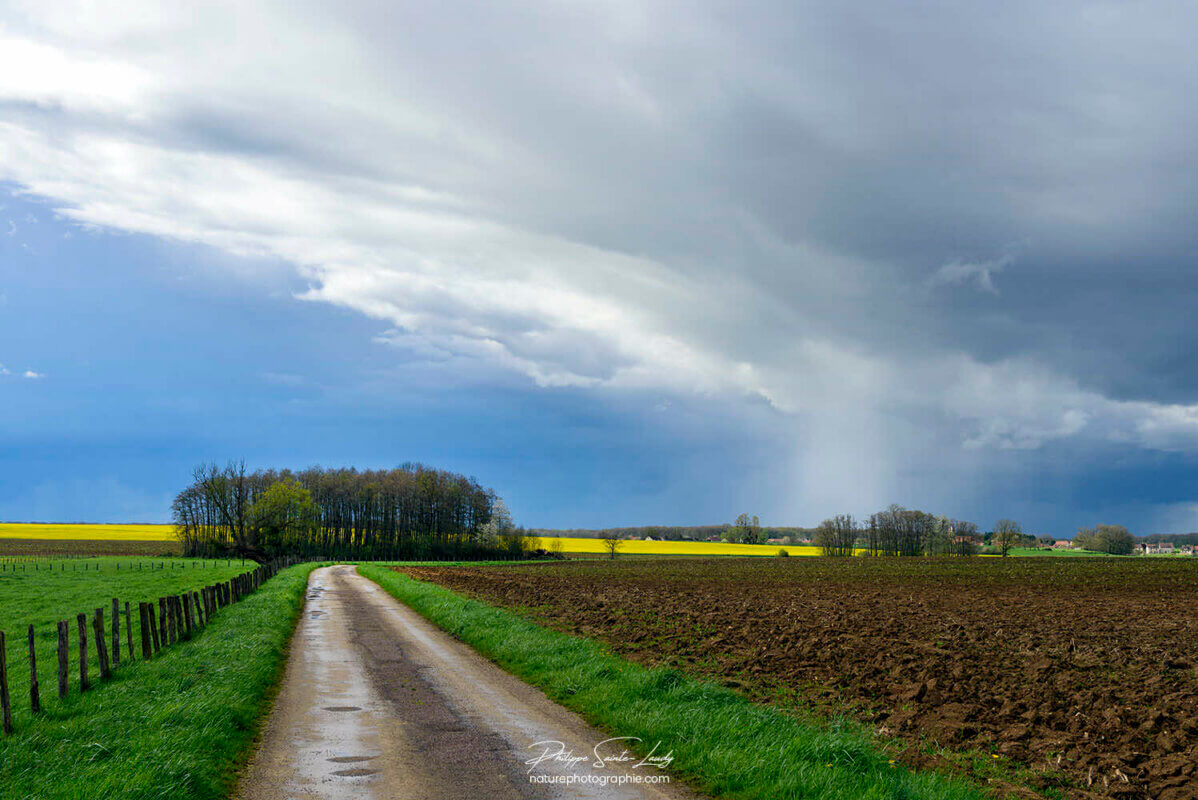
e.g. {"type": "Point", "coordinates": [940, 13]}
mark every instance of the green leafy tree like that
{"type": "Point", "coordinates": [1084, 538]}
{"type": "Point", "coordinates": [940, 536]}
{"type": "Point", "coordinates": [281, 515]}
{"type": "Point", "coordinates": [1113, 539]}
{"type": "Point", "coordinates": [746, 530]}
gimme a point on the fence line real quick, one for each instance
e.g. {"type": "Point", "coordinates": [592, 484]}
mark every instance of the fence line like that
{"type": "Point", "coordinates": [88, 563]}
{"type": "Point", "coordinates": [179, 618]}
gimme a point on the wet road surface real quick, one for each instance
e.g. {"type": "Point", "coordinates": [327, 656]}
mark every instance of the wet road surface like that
{"type": "Point", "coordinates": [377, 703]}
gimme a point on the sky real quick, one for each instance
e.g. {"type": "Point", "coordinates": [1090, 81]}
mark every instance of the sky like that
{"type": "Point", "coordinates": [624, 262]}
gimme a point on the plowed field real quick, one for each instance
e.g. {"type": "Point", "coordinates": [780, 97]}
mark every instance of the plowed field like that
{"type": "Point", "coordinates": [1078, 674]}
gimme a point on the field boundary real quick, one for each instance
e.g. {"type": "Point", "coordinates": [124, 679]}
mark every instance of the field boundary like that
{"type": "Point", "coordinates": [179, 726]}
{"type": "Point", "coordinates": [174, 619]}
{"type": "Point", "coordinates": [721, 742]}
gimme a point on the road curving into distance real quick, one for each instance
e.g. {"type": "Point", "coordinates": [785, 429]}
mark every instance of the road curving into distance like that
{"type": "Point", "coordinates": [378, 703]}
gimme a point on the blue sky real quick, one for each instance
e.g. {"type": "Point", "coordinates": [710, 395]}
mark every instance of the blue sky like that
{"type": "Point", "coordinates": [626, 263]}
{"type": "Point", "coordinates": [186, 359]}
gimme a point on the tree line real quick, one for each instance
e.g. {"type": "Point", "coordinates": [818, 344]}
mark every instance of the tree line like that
{"type": "Point", "coordinates": [727, 532]}
{"type": "Point", "coordinates": [410, 512]}
{"type": "Point", "coordinates": [899, 531]}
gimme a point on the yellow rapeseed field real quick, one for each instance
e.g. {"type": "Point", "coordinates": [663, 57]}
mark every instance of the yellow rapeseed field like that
{"type": "Point", "coordinates": [125, 533]}
{"type": "Point", "coordinates": [570, 544]}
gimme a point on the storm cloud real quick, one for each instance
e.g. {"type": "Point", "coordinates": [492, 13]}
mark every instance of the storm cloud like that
{"type": "Point", "coordinates": [948, 245]}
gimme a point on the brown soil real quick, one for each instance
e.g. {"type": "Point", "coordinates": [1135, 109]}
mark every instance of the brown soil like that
{"type": "Point", "coordinates": [1079, 673]}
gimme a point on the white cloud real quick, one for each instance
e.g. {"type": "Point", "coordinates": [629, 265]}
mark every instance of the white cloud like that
{"type": "Point", "coordinates": [33, 375]}
{"type": "Point", "coordinates": [981, 274]}
{"type": "Point", "coordinates": [46, 75]}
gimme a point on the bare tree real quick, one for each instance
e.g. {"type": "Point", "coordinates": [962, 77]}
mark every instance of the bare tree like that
{"type": "Point", "coordinates": [836, 536]}
{"type": "Point", "coordinates": [612, 544]}
{"type": "Point", "coordinates": [873, 536]}
{"type": "Point", "coordinates": [1007, 534]}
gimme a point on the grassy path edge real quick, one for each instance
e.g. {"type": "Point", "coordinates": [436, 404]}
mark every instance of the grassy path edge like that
{"type": "Point", "coordinates": [722, 743]}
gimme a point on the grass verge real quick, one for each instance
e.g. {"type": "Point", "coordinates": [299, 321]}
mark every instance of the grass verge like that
{"type": "Point", "coordinates": [43, 592]}
{"type": "Point", "coordinates": [721, 742]}
{"type": "Point", "coordinates": [174, 727]}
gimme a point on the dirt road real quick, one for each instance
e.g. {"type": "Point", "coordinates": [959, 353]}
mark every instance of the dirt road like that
{"type": "Point", "coordinates": [378, 703]}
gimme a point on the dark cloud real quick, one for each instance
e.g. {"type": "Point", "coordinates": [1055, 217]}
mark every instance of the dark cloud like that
{"type": "Point", "coordinates": [904, 223]}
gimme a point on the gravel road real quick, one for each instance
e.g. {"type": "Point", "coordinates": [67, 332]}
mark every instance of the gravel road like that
{"type": "Point", "coordinates": [378, 703]}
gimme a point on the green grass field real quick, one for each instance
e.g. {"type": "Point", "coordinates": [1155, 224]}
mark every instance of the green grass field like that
{"type": "Point", "coordinates": [1036, 552]}
{"type": "Point", "coordinates": [721, 741]}
{"type": "Point", "coordinates": [43, 592]}
{"type": "Point", "coordinates": [173, 727]}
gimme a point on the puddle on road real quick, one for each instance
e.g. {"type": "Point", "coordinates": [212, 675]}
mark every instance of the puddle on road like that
{"type": "Point", "coordinates": [342, 708]}
{"type": "Point", "coordinates": [351, 759]}
{"type": "Point", "coordinates": [356, 772]}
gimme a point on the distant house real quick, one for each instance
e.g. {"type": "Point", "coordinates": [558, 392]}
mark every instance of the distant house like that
{"type": "Point", "coordinates": [1062, 544]}
{"type": "Point", "coordinates": [775, 541]}
{"type": "Point", "coordinates": [1157, 548]}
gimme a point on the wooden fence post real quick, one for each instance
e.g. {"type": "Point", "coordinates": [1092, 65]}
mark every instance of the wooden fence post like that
{"type": "Point", "coordinates": [116, 633]}
{"type": "Point", "coordinates": [35, 701]}
{"type": "Point", "coordinates": [101, 645]}
{"type": "Point", "coordinates": [187, 613]}
{"type": "Point", "coordinates": [64, 645]}
{"type": "Point", "coordinates": [145, 632]}
{"type": "Point", "coordinates": [5, 707]}
{"type": "Point", "coordinates": [172, 607]}
{"type": "Point", "coordinates": [128, 631]}
{"type": "Point", "coordinates": [82, 621]}
{"type": "Point", "coordinates": [198, 607]}
{"type": "Point", "coordinates": [153, 625]}
{"type": "Point", "coordinates": [170, 620]}
{"type": "Point", "coordinates": [162, 629]}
